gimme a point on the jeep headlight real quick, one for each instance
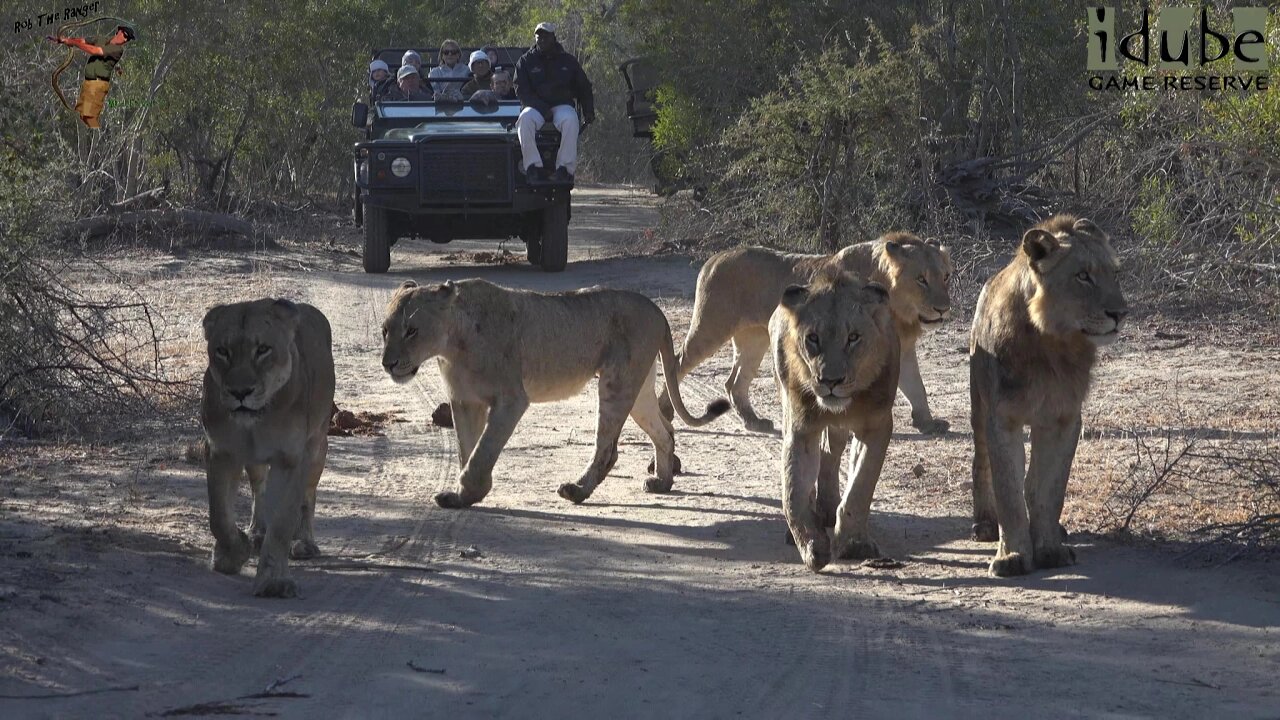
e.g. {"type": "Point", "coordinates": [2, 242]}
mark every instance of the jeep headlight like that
{"type": "Point", "coordinates": [400, 167]}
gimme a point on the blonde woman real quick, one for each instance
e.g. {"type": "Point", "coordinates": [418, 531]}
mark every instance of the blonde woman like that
{"type": "Point", "coordinates": [451, 66]}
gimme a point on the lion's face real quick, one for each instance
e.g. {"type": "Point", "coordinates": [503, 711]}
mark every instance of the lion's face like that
{"type": "Point", "coordinates": [837, 334]}
{"type": "Point", "coordinates": [250, 353]}
{"type": "Point", "coordinates": [1076, 290]}
{"type": "Point", "coordinates": [414, 329]}
{"type": "Point", "coordinates": [920, 273]}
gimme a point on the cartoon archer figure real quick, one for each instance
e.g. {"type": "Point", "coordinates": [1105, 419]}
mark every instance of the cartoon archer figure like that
{"type": "Point", "coordinates": [104, 53]}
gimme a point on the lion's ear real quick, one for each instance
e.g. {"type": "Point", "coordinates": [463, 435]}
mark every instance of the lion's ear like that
{"type": "Point", "coordinates": [211, 319]}
{"type": "Point", "coordinates": [444, 290]}
{"type": "Point", "coordinates": [1039, 244]}
{"type": "Point", "coordinates": [1086, 225]}
{"type": "Point", "coordinates": [286, 312]}
{"type": "Point", "coordinates": [794, 295]}
{"type": "Point", "coordinates": [408, 285]}
{"type": "Point", "coordinates": [876, 293]}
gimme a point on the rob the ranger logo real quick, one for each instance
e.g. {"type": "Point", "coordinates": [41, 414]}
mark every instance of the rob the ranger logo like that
{"type": "Point", "coordinates": [1171, 43]}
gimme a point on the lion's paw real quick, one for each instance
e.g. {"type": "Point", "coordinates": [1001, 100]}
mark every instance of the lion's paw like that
{"type": "Point", "coordinates": [986, 531]}
{"type": "Point", "coordinates": [276, 588]}
{"type": "Point", "coordinates": [676, 467]}
{"type": "Point", "coordinates": [228, 561]}
{"type": "Point", "coordinates": [858, 549]}
{"type": "Point", "coordinates": [816, 552]}
{"type": "Point", "coordinates": [1055, 556]}
{"type": "Point", "coordinates": [450, 500]}
{"type": "Point", "coordinates": [1010, 565]}
{"type": "Point", "coordinates": [574, 493]}
{"type": "Point", "coordinates": [930, 425]}
{"type": "Point", "coordinates": [658, 485]}
{"type": "Point", "coordinates": [760, 425]}
{"type": "Point", "coordinates": [304, 549]}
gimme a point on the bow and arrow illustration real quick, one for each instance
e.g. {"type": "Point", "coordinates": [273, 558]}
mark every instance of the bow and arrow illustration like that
{"type": "Point", "coordinates": [103, 58]}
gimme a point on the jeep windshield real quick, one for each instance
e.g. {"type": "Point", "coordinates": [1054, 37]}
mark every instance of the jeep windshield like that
{"type": "Point", "coordinates": [416, 120]}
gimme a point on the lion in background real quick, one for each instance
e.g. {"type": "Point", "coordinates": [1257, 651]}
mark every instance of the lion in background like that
{"type": "Point", "coordinates": [499, 350]}
{"type": "Point", "coordinates": [738, 290]}
{"type": "Point", "coordinates": [268, 394]}
{"type": "Point", "coordinates": [1036, 331]}
{"type": "Point", "coordinates": [836, 363]}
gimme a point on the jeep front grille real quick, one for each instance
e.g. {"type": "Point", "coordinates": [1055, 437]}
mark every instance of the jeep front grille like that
{"type": "Point", "coordinates": [465, 173]}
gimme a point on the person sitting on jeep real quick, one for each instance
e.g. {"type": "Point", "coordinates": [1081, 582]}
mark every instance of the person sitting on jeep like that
{"type": "Point", "coordinates": [410, 87]}
{"type": "Point", "coordinates": [379, 79]}
{"type": "Point", "coordinates": [411, 57]}
{"type": "Point", "coordinates": [449, 67]}
{"type": "Point", "coordinates": [548, 80]}
{"type": "Point", "coordinates": [502, 85]}
{"type": "Point", "coordinates": [481, 74]}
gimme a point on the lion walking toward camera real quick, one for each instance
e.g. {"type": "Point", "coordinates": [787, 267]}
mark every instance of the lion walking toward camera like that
{"type": "Point", "coordinates": [268, 394]}
{"type": "Point", "coordinates": [500, 350]}
{"type": "Point", "coordinates": [836, 364]}
{"type": "Point", "coordinates": [1036, 331]}
{"type": "Point", "coordinates": [738, 290]}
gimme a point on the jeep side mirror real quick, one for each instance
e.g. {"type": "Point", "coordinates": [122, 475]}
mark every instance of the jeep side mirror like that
{"type": "Point", "coordinates": [359, 114]}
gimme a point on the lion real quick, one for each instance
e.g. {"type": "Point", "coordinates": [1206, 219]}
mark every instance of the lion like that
{"type": "Point", "coordinates": [738, 290]}
{"type": "Point", "coordinates": [1036, 330]}
{"type": "Point", "coordinates": [836, 362]}
{"type": "Point", "coordinates": [499, 350]}
{"type": "Point", "coordinates": [268, 393]}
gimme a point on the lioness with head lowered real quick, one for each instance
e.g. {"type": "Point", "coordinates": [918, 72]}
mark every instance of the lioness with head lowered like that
{"type": "Point", "coordinates": [500, 350]}
{"type": "Point", "coordinates": [835, 358]}
{"type": "Point", "coordinates": [268, 393]}
{"type": "Point", "coordinates": [739, 289]}
{"type": "Point", "coordinates": [1036, 331]}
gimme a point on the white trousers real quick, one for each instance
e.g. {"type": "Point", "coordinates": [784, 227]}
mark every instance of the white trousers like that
{"type": "Point", "coordinates": [565, 118]}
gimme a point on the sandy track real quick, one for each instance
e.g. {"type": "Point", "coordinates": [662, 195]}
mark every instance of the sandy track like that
{"type": "Point", "coordinates": [633, 605]}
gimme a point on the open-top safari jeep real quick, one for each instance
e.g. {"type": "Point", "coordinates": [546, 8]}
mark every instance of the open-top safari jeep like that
{"type": "Point", "coordinates": [448, 170]}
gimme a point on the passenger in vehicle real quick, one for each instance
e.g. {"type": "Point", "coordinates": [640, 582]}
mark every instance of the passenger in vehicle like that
{"type": "Point", "coordinates": [502, 85]}
{"type": "Point", "coordinates": [548, 81]}
{"type": "Point", "coordinates": [481, 74]}
{"type": "Point", "coordinates": [379, 78]}
{"type": "Point", "coordinates": [450, 67]}
{"type": "Point", "coordinates": [410, 86]}
{"type": "Point", "coordinates": [411, 57]}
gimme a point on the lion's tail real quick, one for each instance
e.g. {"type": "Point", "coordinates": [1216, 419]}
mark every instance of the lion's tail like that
{"type": "Point", "coordinates": [670, 374]}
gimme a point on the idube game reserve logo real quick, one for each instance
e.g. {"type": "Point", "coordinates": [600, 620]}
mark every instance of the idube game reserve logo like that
{"type": "Point", "coordinates": [1171, 47]}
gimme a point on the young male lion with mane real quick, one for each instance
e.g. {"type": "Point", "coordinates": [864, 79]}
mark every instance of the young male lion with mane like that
{"type": "Point", "coordinates": [1036, 331]}
{"type": "Point", "coordinates": [836, 364]}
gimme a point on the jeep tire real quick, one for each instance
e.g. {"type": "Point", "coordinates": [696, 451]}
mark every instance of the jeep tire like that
{"type": "Point", "coordinates": [377, 241]}
{"type": "Point", "coordinates": [555, 238]}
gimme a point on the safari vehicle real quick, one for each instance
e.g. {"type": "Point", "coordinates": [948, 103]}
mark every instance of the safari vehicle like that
{"type": "Point", "coordinates": [451, 170]}
{"type": "Point", "coordinates": [642, 110]}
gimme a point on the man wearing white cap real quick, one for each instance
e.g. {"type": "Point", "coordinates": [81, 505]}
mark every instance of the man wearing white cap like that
{"type": "Point", "coordinates": [548, 81]}
{"type": "Point", "coordinates": [410, 85]}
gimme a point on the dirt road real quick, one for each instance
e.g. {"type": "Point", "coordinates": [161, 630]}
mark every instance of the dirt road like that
{"type": "Point", "coordinates": [633, 605]}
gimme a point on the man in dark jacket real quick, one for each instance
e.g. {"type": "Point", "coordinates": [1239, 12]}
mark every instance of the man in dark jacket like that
{"type": "Point", "coordinates": [548, 81]}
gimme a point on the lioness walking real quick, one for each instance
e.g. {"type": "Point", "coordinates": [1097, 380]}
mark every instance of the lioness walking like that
{"type": "Point", "coordinates": [268, 393]}
{"type": "Point", "coordinates": [738, 290]}
{"type": "Point", "coordinates": [500, 350]}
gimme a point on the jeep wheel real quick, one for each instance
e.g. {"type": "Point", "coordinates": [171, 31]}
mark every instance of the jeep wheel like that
{"type": "Point", "coordinates": [555, 237]}
{"type": "Point", "coordinates": [377, 243]}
